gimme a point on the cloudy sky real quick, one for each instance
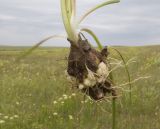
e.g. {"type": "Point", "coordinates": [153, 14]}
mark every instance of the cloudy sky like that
{"type": "Point", "coordinates": [130, 22]}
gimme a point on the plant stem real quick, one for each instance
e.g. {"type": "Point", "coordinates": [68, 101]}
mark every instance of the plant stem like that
{"type": "Point", "coordinates": [66, 8]}
{"type": "Point", "coordinates": [113, 106]}
{"type": "Point", "coordinates": [113, 113]}
{"type": "Point", "coordinates": [111, 77]}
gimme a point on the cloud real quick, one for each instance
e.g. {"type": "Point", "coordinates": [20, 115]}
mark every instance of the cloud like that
{"type": "Point", "coordinates": [131, 22]}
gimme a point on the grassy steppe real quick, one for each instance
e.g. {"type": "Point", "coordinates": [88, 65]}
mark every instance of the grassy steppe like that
{"type": "Point", "coordinates": [35, 94]}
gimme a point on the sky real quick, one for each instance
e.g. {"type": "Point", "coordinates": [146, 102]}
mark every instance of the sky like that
{"type": "Point", "coordinates": [130, 22]}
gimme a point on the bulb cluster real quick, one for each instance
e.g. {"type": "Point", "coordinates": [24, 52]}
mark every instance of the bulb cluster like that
{"type": "Point", "coordinates": [92, 78]}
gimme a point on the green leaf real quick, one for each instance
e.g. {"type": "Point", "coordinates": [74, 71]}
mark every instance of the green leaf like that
{"type": "Point", "coordinates": [94, 37]}
{"type": "Point", "coordinates": [95, 8]}
{"type": "Point", "coordinates": [37, 45]}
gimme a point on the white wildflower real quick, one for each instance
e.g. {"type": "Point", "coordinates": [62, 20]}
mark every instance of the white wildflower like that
{"type": "Point", "coordinates": [55, 113]}
{"type": "Point", "coordinates": [17, 103]}
{"type": "Point", "coordinates": [66, 97]}
{"type": "Point", "coordinates": [6, 117]}
{"type": "Point", "coordinates": [82, 102]}
{"type": "Point", "coordinates": [156, 113]}
{"type": "Point", "coordinates": [2, 121]}
{"type": "Point", "coordinates": [62, 102]}
{"type": "Point", "coordinates": [54, 102]}
{"type": "Point", "coordinates": [15, 116]}
{"type": "Point", "coordinates": [11, 118]}
{"type": "Point", "coordinates": [70, 97]}
{"type": "Point", "coordinates": [70, 117]}
{"type": "Point", "coordinates": [86, 101]}
{"type": "Point", "coordinates": [73, 94]}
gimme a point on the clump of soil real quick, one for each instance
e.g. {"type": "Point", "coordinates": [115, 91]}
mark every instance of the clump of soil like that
{"type": "Point", "coordinates": [89, 67]}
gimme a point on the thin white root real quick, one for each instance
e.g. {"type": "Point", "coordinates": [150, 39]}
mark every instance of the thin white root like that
{"type": "Point", "coordinates": [124, 84]}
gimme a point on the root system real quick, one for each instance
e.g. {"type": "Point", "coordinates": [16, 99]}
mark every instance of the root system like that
{"type": "Point", "coordinates": [88, 67]}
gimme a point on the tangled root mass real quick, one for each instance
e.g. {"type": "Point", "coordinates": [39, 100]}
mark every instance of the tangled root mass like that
{"type": "Point", "coordinates": [83, 57]}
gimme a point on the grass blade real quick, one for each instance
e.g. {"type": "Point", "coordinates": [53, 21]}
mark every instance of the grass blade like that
{"type": "Point", "coordinates": [113, 113]}
{"type": "Point", "coordinates": [128, 74]}
{"type": "Point", "coordinates": [95, 8]}
{"type": "Point", "coordinates": [110, 75]}
{"type": "Point", "coordinates": [37, 45]}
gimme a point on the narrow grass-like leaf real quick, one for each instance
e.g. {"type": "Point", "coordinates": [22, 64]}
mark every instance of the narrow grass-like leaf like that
{"type": "Point", "coordinates": [94, 36]}
{"type": "Point", "coordinates": [37, 45]}
{"type": "Point", "coordinates": [113, 113]}
{"type": "Point", "coordinates": [111, 77]}
{"type": "Point", "coordinates": [128, 74]}
{"type": "Point", "coordinates": [95, 8]}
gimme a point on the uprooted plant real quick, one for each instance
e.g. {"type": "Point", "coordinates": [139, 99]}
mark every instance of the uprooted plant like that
{"type": "Point", "coordinates": [87, 65]}
{"type": "Point", "coordinates": [89, 69]}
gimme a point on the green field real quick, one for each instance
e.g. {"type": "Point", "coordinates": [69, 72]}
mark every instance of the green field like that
{"type": "Point", "coordinates": [35, 94]}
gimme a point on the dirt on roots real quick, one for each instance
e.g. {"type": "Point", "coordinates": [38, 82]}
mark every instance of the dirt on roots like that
{"type": "Point", "coordinates": [83, 57]}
